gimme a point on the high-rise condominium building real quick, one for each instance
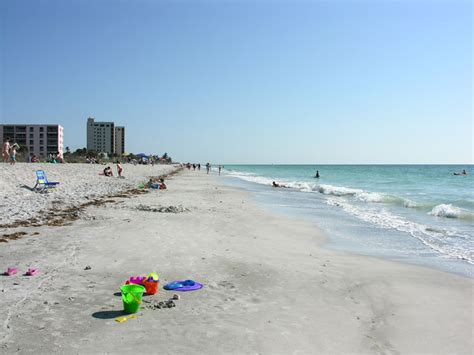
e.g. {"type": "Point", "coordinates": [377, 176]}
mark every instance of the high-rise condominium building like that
{"type": "Point", "coordinates": [105, 137]}
{"type": "Point", "coordinates": [40, 139]}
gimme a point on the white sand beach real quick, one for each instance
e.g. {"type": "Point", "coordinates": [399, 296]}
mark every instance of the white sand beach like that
{"type": "Point", "coordinates": [270, 286]}
{"type": "Point", "coordinates": [79, 183]}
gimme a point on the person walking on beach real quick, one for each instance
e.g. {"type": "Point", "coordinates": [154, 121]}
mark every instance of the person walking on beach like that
{"type": "Point", "coordinates": [208, 168]}
{"type": "Point", "coordinates": [199, 167]}
{"type": "Point", "coordinates": [220, 168]}
{"type": "Point", "coordinates": [6, 150]}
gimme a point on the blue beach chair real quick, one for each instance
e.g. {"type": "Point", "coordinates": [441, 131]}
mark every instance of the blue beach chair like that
{"type": "Point", "coordinates": [42, 182]}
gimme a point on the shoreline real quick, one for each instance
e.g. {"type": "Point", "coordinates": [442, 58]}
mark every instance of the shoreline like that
{"type": "Point", "coordinates": [362, 225]}
{"type": "Point", "coordinates": [270, 286]}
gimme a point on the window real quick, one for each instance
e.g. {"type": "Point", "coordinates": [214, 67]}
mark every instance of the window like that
{"type": "Point", "coordinates": [41, 135]}
{"type": "Point", "coordinates": [31, 135]}
{"type": "Point", "coordinates": [31, 142]}
{"type": "Point", "coordinates": [41, 129]}
{"type": "Point", "coordinates": [41, 142]}
{"type": "Point", "coordinates": [31, 129]}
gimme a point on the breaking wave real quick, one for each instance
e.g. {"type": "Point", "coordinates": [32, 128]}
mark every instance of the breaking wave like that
{"type": "Point", "coordinates": [450, 211]}
{"type": "Point", "coordinates": [330, 190]}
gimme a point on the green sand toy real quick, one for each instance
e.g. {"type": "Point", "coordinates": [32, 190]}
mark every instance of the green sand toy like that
{"type": "Point", "coordinates": [132, 297]}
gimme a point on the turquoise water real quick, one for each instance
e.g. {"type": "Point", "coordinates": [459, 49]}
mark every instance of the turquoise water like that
{"type": "Point", "coordinates": [418, 213]}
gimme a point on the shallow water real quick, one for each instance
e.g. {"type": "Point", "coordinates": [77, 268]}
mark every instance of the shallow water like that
{"type": "Point", "coordinates": [416, 213]}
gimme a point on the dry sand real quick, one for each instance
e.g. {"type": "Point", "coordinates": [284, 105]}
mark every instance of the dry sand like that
{"type": "Point", "coordinates": [270, 286]}
{"type": "Point", "coordinates": [79, 183]}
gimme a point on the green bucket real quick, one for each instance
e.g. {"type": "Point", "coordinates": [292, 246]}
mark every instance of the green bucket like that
{"type": "Point", "coordinates": [132, 297]}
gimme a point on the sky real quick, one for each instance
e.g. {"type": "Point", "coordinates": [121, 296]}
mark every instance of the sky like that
{"type": "Point", "coordinates": [298, 82]}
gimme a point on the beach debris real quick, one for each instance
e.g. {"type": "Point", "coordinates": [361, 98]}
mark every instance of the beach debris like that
{"type": "Point", "coordinates": [154, 305]}
{"type": "Point", "coordinates": [176, 297]}
{"type": "Point", "coordinates": [162, 209]}
{"type": "Point", "coordinates": [12, 236]}
{"type": "Point", "coordinates": [88, 267]}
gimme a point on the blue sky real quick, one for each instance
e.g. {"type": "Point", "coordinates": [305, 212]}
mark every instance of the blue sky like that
{"type": "Point", "coordinates": [248, 81]}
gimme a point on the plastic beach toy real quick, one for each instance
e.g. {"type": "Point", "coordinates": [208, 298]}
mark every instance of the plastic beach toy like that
{"type": "Point", "coordinates": [153, 275]}
{"type": "Point", "coordinates": [183, 286]}
{"type": "Point", "coordinates": [132, 297]}
{"type": "Point", "coordinates": [10, 271]}
{"type": "Point", "coordinates": [126, 318]}
{"type": "Point", "coordinates": [138, 280]}
{"type": "Point", "coordinates": [32, 272]}
{"type": "Point", "coordinates": [151, 286]}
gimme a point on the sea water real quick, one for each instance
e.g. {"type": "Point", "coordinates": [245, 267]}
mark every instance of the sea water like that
{"type": "Point", "coordinates": [421, 214]}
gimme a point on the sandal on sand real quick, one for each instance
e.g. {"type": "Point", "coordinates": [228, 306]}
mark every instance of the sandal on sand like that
{"type": "Point", "coordinates": [32, 272]}
{"type": "Point", "coordinates": [10, 271]}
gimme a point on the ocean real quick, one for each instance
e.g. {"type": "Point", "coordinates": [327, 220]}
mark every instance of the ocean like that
{"type": "Point", "coordinates": [421, 214]}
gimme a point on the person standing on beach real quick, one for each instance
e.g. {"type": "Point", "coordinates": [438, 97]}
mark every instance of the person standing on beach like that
{"type": "Point", "coordinates": [6, 150]}
{"type": "Point", "coordinates": [13, 154]}
{"type": "Point", "coordinates": [220, 168]}
{"type": "Point", "coordinates": [199, 167]}
{"type": "Point", "coordinates": [208, 167]}
{"type": "Point", "coordinates": [119, 169]}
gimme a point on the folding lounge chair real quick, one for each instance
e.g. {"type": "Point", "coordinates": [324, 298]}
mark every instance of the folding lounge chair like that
{"type": "Point", "coordinates": [42, 182]}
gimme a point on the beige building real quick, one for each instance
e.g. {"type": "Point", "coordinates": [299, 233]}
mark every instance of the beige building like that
{"type": "Point", "coordinates": [119, 140]}
{"type": "Point", "coordinates": [40, 139]}
{"type": "Point", "coordinates": [105, 137]}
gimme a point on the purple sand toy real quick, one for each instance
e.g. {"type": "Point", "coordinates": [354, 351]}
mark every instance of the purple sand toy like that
{"type": "Point", "coordinates": [183, 286]}
{"type": "Point", "coordinates": [138, 280]}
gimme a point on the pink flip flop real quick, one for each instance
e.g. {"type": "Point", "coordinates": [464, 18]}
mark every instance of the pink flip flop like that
{"type": "Point", "coordinates": [32, 272]}
{"type": "Point", "coordinates": [10, 271]}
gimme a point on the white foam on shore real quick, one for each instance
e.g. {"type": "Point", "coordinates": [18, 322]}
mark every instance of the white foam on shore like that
{"type": "Point", "coordinates": [79, 183]}
{"type": "Point", "coordinates": [329, 190]}
{"type": "Point", "coordinates": [442, 241]}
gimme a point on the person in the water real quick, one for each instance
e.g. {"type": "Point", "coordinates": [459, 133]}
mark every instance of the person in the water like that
{"type": "Point", "coordinates": [274, 184]}
{"type": "Point", "coordinates": [461, 173]}
{"type": "Point", "coordinates": [317, 174]}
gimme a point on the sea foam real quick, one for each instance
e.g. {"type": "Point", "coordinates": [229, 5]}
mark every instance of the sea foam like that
{"type": "Point", "coordinates": [439, 240]}
{"type": "Point", "coordinates": [450, 211]}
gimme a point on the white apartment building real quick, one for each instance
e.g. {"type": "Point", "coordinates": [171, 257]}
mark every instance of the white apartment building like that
{"type": "Point", "coordinates": [105, 137]}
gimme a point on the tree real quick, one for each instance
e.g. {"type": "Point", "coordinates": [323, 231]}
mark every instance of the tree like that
{"type": "Point", "coordinates": [68, 150]}
{"type": "Point", "coordinates": [23, 151]}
